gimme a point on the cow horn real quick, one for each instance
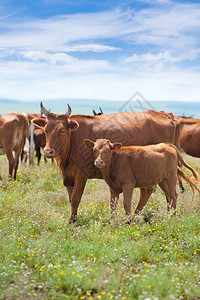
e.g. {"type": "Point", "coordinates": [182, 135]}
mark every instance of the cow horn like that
{"type": "Point", "coordinates": [68, 113]}
{"type": "Point", "coordinates": [44, 110]}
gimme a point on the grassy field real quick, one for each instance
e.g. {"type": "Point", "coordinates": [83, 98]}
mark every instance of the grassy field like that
{"type": "Point", "coordinates": [42, 257]}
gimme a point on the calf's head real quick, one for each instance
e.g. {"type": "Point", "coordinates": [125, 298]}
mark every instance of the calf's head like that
{"type": "Point", "coordinates": [102, 150]}
{"type": "Point", "coordinates": [57, 129]}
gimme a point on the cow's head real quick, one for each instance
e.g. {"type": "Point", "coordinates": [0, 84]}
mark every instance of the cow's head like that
{"type": "Point", "coordinates": [102, 150]}
{"type": "Point", "coordinates": [58, 130]}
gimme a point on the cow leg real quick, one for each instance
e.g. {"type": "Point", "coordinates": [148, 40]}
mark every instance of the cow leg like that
{"type": "Point", "coordinates": [25, 157]}
{"type": "Point", "coordinates": [114, 198]}
{"type": "Point", "coordinates": [17, 155]}
{"type": "Point", "coordinates": [169, 188]}
{"type": "Point", "coordinates": [145, 193]}
{"type": "Point", "coordinates": [181, 185]}
{"type": "Point", "coordinates": [16, 167]}
{"type": "Point", "coordinates": [79, 186]}
{"type": "Point", "coordinates": [70, 191]}
{"type": "Point", "coordinates": [11, 162]}
{"type": "Point", "coordinates": [22, 156]}
{"type": "Point", "coordinates": [38, 154]}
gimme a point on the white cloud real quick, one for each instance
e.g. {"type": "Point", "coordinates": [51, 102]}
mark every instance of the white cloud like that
{"type": "Point", "coordinates": [164, 58]}
{"type": "Point", "coordinates": [173, 26]}
{"type": "Point", "coordinates": [52, 58]}
{"type": "Point", "coordinates": [56, 33]}
{"type": "Point", "coordinates": [35, 61]}
{"type": "Point", "coordinates": [90, 47]}
{"type": "Point", "coordinates": [21, 82]}
{"type": "Point", "coordinates": [55, 65]}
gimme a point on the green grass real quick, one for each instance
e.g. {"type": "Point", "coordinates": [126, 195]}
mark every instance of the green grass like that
{"type": "Point", "coordinates": [43, 257]}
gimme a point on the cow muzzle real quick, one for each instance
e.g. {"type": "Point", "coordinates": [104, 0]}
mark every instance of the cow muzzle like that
{"type": "Point", "coordinates": [50, 153]}
{"type": "Point", "coordinates": [99, 163]}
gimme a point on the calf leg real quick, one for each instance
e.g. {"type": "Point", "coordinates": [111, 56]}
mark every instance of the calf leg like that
{"type": "Point", "coordinates": [114, 198]}
{"type": "Point", "coordinates": [128, 194]}
{"type": "Point", "coordinates": [169, 188]}
{"type": "Point", "coordinates": [145, 193]}
{"type": "Point", "coordinates": [76, 195]}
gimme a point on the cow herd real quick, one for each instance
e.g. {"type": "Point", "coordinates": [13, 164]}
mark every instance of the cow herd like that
{"type": "Point", "coordinates": [126, 149]}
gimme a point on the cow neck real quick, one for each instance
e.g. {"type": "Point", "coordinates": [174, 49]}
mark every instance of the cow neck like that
{"type": "Point", "coordinates": [63, 158]}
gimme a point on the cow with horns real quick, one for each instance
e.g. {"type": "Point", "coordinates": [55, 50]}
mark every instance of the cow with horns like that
{"type": "Point", "coordinates": [65, 135]}
{"type": "Point", "coordinates": [97, 114]}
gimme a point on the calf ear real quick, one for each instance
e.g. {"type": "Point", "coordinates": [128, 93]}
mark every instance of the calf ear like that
{"type": "Point", "coordinates": [115, 146]}
{"type": "Point", "coordinates": [73, 124]}
{"type": "Point", "coordinates": [39, 122]}
{"type": "Point", "coordinates": [89, 143]}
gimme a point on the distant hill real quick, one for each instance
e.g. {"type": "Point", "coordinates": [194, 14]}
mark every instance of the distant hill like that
{"type": "Point", "coordinates": [85, 106]}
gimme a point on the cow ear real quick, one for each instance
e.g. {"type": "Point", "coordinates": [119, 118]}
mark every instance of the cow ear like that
{"type": "Point", "coordinates": [73, 124]}
{"type": "Point", "coordinates": [39, 122]}
{"type": "Point", "coordinates": [89, 143]}
{"type": "Point", "coordinates": [115, 146]}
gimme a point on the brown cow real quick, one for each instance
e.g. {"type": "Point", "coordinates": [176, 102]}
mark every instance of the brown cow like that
{"type": "Point", "coordinates": [37, 140]}
{"type": "Point", "coordinates": [40, 142]}
{"type": "Point", "coordinates": [13, 131]}
{"type": "Point", "coordinates": [139, 166]}
{"type": "Point", "coordinates": [29, 147]}
{"type": "Point", "coordinates": [65, 135]}
{"type": "Point", "coordinates": [190, 136]}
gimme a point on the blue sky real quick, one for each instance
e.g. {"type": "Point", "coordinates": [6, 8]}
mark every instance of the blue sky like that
{"type": "Point", "coordinates": [52, 49]}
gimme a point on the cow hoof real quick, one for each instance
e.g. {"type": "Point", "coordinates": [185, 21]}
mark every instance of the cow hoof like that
{"type": "Point", "coordinates": [72, 220]}
{"type": "Point", "coordinates": [128, 220]}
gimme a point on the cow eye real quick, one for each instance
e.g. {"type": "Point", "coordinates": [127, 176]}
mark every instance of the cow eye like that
{"type": "Point", "coordinates": [95, 151]}
{"type": "Point", "coordinates": [61, 131]}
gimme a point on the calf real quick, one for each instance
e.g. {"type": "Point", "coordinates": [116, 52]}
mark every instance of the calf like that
{"type": "Point", "coordinates": [125, 168]}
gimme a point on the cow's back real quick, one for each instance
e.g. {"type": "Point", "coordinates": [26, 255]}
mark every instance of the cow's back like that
{"type": "Point", "coordinates": [13, 130]}
{"type": "Point", "coordinates": [130, 128]}
{"type": "Point", "coordinates": [146, 166]}
{"type": "Point", "coordinates": [189, 139]}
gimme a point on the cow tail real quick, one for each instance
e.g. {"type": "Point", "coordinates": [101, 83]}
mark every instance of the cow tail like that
{"type": "Point", "coordinates": [192, 182]}
{"type": "Point", "coordinates": [181, 160]}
